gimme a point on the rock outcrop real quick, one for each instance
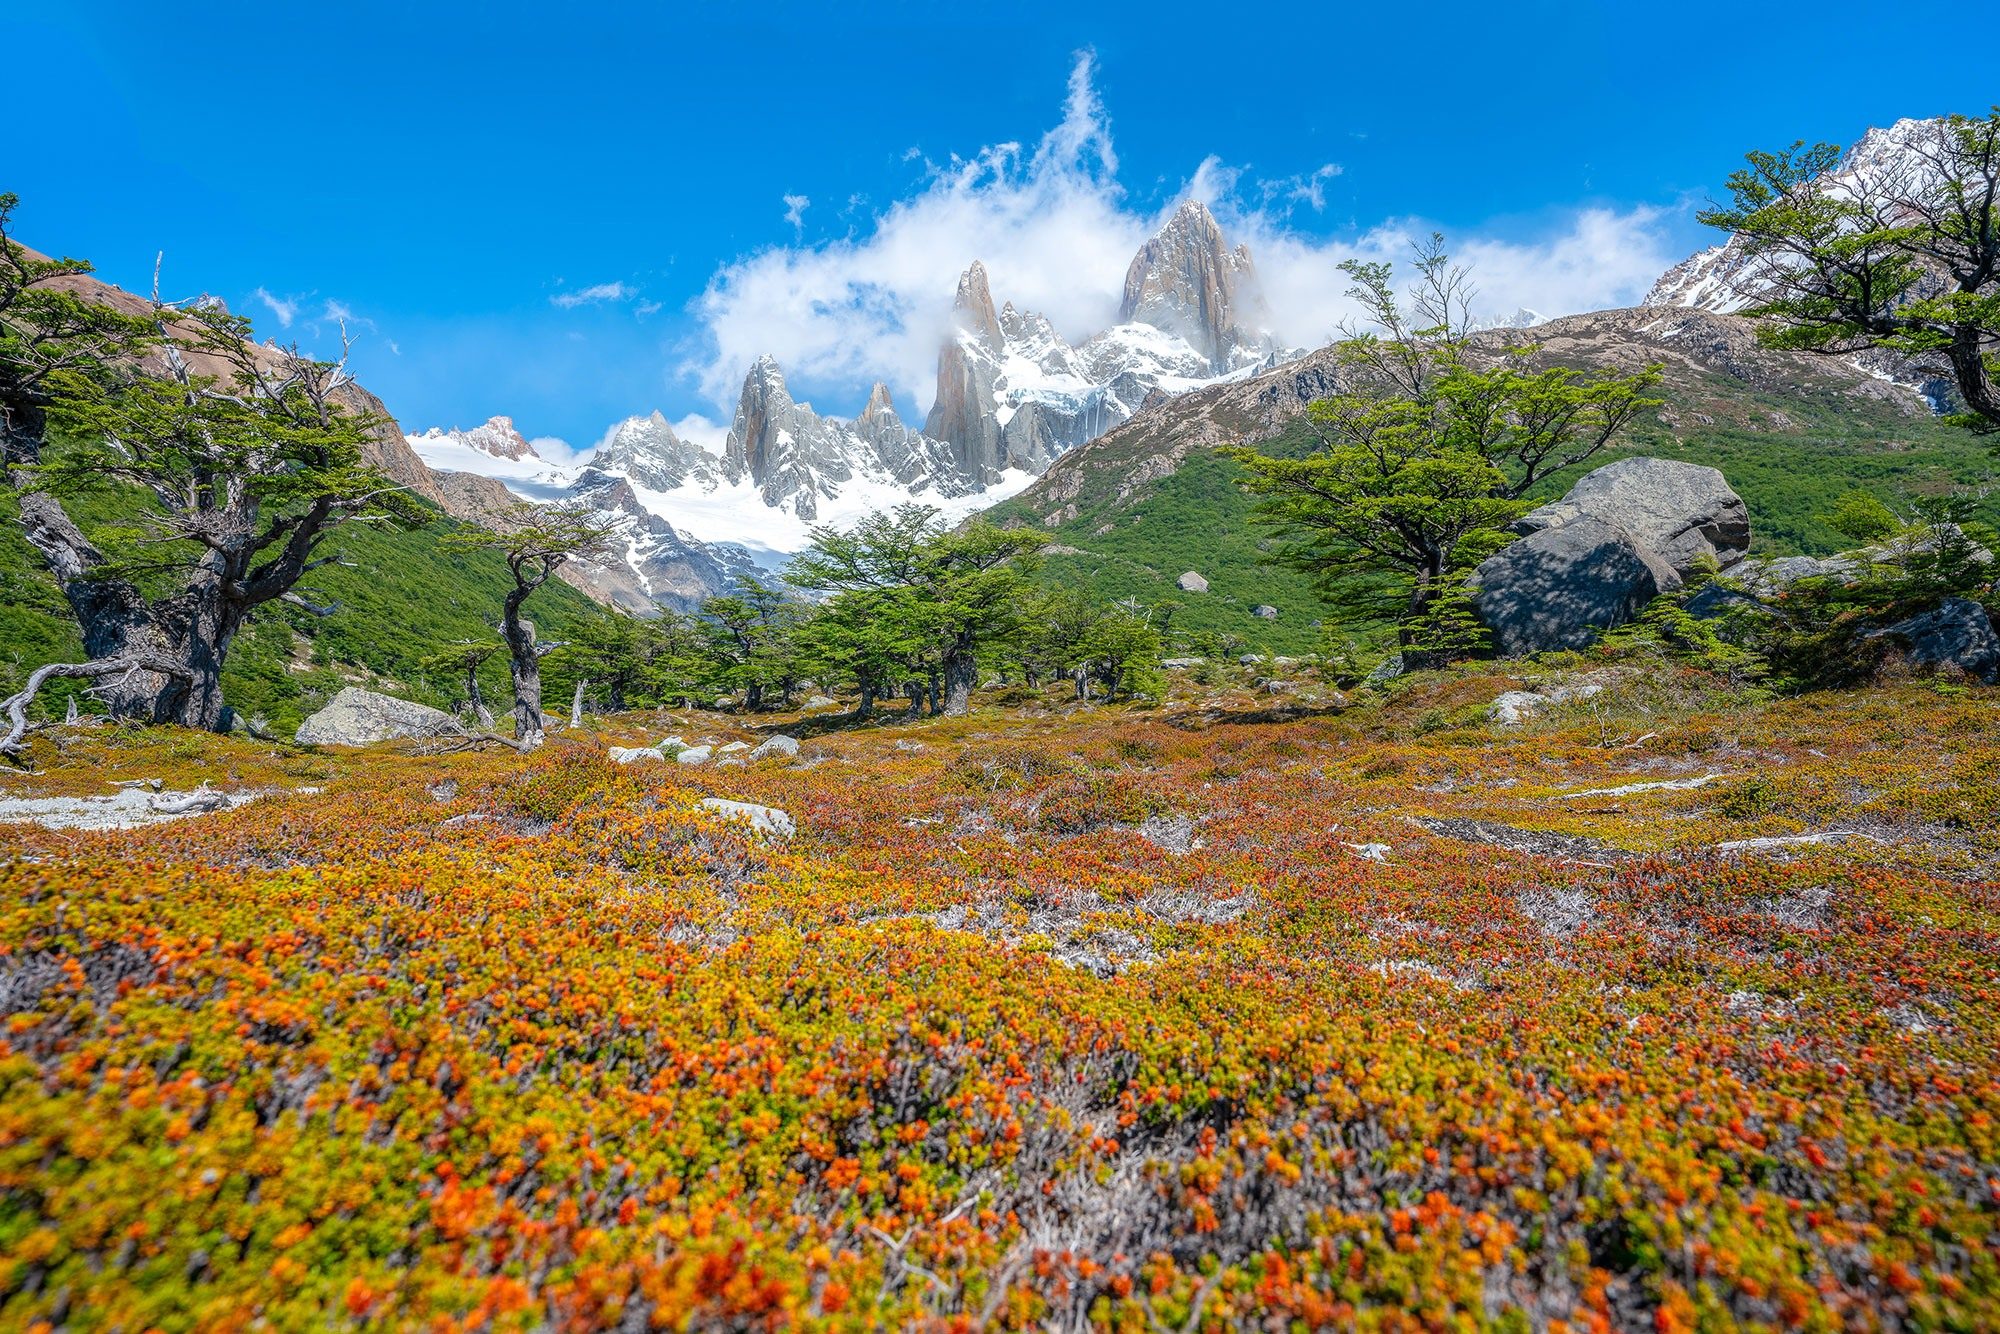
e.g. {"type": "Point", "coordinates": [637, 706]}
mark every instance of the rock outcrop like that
{"type": "Point", "coordinates": [1563, 586]}
{"type": "Point", "coordinates": [797, 457]}
{"type": "Point", "coordinates": [1682, 512]}
{"type": "Point", "coordinates": [1957, 634]}
{"type": "Point", "coordinates": [1625, 533]}
{"type": "Point", "coordinates": [357, 717]}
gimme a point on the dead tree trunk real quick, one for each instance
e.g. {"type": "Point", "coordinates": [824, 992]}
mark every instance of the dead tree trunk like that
{"type": "Point", "coordinates": [576, 704]}
{"type": "Point", "coordinates": [473, 696]}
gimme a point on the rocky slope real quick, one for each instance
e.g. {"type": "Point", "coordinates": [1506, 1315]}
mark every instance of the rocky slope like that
{"type": "Point", "coordinates": [1712, 363]}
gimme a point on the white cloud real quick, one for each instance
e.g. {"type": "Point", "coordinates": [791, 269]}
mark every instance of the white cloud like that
{"type": "Point", "coordinates": [1308, 188]}
{"type": "Point", "coordinates": [285, 308]}
{"type": "Point", "coordinates": [703, 432]}
{"type": "Point", "coordinates": [1055, 231]}
{"type": "Point", "coordinates": [555, 449]}
{"type": "Point", "coordinates": [795, 211]}
{"type": "Point", "coordinates": [342, 314]}
{"type": "Point", "coordinates": [585, 296]}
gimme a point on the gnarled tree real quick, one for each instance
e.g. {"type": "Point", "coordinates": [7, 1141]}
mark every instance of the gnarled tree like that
{"type": "Point", "coordinates": [239, 462]}
{"type": "Point", "coordinates": [535, 541]}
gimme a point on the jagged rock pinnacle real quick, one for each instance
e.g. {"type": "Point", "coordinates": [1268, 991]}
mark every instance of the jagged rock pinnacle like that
{"type": "Point", "coordinates": [972, 310]}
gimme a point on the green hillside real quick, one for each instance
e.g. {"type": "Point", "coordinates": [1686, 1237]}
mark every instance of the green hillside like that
{"type": "Point", "coordinates": [402, 595]}
{"type": "Point", "coordinates": [1789, 454]}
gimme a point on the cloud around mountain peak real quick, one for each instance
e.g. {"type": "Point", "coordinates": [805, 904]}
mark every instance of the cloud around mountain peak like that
{"type": "Point", "coordinates": [1056, 232]}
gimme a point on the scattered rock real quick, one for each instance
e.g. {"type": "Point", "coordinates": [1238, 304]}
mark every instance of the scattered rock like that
{"type": "Point", "coordinates": [694, 754]}
{"type": "Point", "coordinates": [787, 746]}
{"type": "Point", "coordinates": [1182, 663]}
{"type": "Point", "coordinates": [1514, 707]}
{"type": "Point", "coordinates": [1190, 582]}
{"type": "Point", "coordinates": [631, 754]}
{"type": "Point", "coordinates": [1264, 611]}
{"type": "Point", "coordinates": [1957, 634]}
{"type": "Point", "coordinates": [1374, 852]}
{"type": "Point", "coordinates": [443, 790]}
{"type": "Point", "coordinates": [357, 717]}
{"type": "Point", "coordinates": [733, 747]}
{"type": "Point", "coordinates": [1384, 671]}
{"type": "Point", "coordinates": [819, 702]}
{"type": "Point", "coordinates": [762, 819]}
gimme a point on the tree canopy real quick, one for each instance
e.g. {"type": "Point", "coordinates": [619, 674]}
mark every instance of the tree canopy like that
{"type": "Point", "coordinates": [1423, 458]}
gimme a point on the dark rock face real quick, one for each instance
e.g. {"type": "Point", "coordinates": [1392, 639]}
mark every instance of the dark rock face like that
{"type": "Point", "coordinates": [1958, 633]}
{"type": "Point", "coordinates": [1562, 586]}
{"type": "Point", "coordinates": [1681, 512]}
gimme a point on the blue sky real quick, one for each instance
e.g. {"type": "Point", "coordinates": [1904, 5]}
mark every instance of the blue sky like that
{"type": "Point", "coordinates": [574, 214]}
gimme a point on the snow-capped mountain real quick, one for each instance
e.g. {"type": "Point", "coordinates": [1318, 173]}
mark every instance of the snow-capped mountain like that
{"type": "Point", "coordinates": [654, 563]}
{"type": "Point", "coordinates": [1728, 277]}
{"type": "Point", "coordinates": [1012, 396]}
{"type": "Point", "coordinates": [1882, 166]}
{"type": "Point", "coordinates": [1012, 393]}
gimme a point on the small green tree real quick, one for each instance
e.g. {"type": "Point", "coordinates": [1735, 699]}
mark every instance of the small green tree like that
{"type": "Point", "coordinates": [754, 640]}
{"type": "Point", "coordinates": [1124, 651]}
{"type": "Point", "coordinates": [1903, 255]}
{"type": "Point", "coordinates": [1423, 460]}
{"type": "Point", "coordinates": [949, 594]}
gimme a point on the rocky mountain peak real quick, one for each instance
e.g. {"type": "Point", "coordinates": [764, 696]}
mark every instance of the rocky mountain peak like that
{"type": "Point", "coordinates": [500, 438]}
{"type": "Point", "coordinates": [880, 404]}
{"type": "Point", "coordinates": [647, 450]}
{"type": "Point", "coordinates": [1187, 282]}
{"type": "Point", "coordinates": [972, 309]}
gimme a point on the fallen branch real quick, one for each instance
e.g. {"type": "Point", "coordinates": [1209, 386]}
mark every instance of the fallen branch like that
{"type": "Point", "coordinates": [457, 743]}
{"type": "Point", "coordinates": [199, 801]}
{"type": "Point", "coordinates": [16, 705]}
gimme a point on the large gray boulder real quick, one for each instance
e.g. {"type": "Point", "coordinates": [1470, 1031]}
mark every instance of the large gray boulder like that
{"type": "Point", "coordinates": [1681, 512]}
{"type": "Point", "coordinates": [1562, 586]}
{"type": "Point", "coordinates": [357, 717]}
{"type": "Point", "coordinates": [1957, 633]}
